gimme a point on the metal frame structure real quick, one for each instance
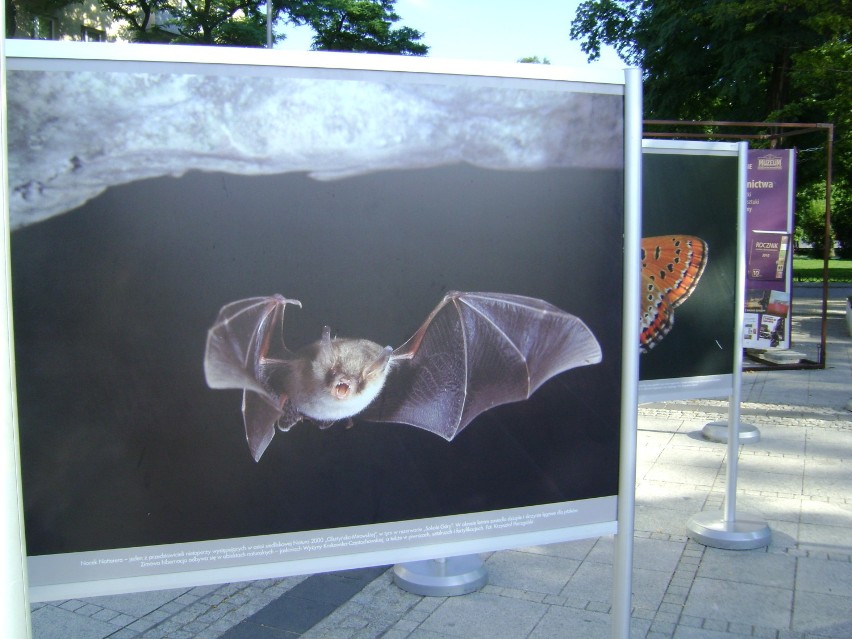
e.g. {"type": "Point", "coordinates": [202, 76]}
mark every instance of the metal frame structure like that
{"type": "Point", "coordinates": [776, 131]}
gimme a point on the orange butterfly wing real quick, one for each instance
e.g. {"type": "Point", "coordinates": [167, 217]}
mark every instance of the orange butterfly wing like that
{"type": "Point", "coordinates": [671, 268]}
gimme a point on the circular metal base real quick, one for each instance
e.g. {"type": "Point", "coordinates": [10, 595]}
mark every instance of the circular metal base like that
{"type": "Point", "coordinates": [442, 577]}
{"type": "Point", "coordinates": [718, 432]}
{"type": "Point", "coordinates": [744, 533]}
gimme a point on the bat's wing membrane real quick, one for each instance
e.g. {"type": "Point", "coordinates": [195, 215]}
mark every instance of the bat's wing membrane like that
{"type": "Point", "coordinates": [244, 344]}
{"type": "Point", "coordinates": [260, 415]}
{"type": "Point", "coordinates": [477, 351]}
{"type": "Point", "coordinates": [241, 339]}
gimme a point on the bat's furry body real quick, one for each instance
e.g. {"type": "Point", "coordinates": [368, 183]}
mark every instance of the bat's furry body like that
{"type": "Point", "coordinates": [335, 379]}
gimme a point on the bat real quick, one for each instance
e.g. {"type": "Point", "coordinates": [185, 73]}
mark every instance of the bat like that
{"type": "Point", "coordinates": [474, 351]}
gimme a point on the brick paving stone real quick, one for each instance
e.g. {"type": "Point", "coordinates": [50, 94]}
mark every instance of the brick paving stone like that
{"type": "Point", "coordinates": [667, 617]}
{"type": "Point", "coordinates": [691, 622]}
{"type": "Point", "coordinates": [671, 608]}
{"type": "Point", "coordinates": [105, 615]}
{"type": "Point", "coordinates": [122, 620]}
{"type": "Point", "coordinates": [665, 627]}
{"type": "Point", "coordinates": [740, 628]}
{"type": "Point", "coordinates": [72, 605]}
{"type": "Point", "coordinates": [715, 624]}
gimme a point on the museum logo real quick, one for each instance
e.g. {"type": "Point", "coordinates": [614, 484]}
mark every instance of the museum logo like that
{"type": "Point", "coordinates": [769, 163]}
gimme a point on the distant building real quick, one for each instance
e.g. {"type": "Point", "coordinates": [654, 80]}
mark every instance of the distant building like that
{"type": "Point", "coordinates": [84, 21]}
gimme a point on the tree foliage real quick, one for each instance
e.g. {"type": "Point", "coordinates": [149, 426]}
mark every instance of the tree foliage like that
{"type": "Point", "coordinates": [364, 26]}
{"type": "Point", "coordinates": [228, 22]}
{"type": "Point", "coordinates": [744, 60]}
{"type": "Point", "coordinates": [139, 16]}
{"type": "Point", "coordinates": [338, 25]}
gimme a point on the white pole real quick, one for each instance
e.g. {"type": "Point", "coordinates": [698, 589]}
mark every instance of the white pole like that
{"type": "Point", "coordinates": [15, 621]}
{"type": "Point", "coordinates": [269, 24]}
{"type": "Point", "coordinates": [734, 531]}
{"type": "Point", "coordinates": [623, 552]}
{"type": "Point", "coordinates": [737, 379]}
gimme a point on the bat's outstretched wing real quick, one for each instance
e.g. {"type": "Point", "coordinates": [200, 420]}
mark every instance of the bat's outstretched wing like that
{"type": "Point", "coordinates": [243, 347]}
{"type": "Point", "coordinates": [476, 351]}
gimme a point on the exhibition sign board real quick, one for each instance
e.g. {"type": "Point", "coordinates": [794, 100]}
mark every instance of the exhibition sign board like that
{"type": "Point", "coordinates": [769, 275]}
{"type": "Point", "coordinates": [691, 218]}
{"type": "Point", "coordinates": [168, 204]}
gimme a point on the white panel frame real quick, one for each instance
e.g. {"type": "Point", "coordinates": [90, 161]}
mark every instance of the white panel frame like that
{"type": "Point", "coordinates": [702, 386]}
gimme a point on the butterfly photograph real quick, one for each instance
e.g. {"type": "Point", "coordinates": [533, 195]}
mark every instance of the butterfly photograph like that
{"type": "Point", "coordinates": [689, 265]}
{"type": "Point", "coordinates": [672, 266]}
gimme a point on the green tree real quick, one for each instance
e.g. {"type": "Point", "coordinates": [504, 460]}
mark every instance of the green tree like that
{"type": "Point", "coordinates": [227, 22]}
{"type": "Point", "coordinates": [11, 17]}
{"type": "Point", "coordinates": [841, 219]}
{"type": "Point", "coordinates": [810, 219]}
{"type": "Point", "coordinates": [139, 17]}
{"type": "Point", "coordinates": [364, 26]}
{"type": "Point", "coordinates": [339, 25]}
{"type": "Point", "coordinates": [747, 61]}
{"type": "Point", "coordinates": [533, 59]}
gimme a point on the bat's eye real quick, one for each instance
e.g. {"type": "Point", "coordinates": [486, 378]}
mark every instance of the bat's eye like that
{"type": "Point", "coordinates": [341, 390]}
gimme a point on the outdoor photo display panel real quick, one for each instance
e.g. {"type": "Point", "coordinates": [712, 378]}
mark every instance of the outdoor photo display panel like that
{"type": "Point", "coordinates": [146, 196]}
{"type": "Point", "coordinates": [690, 216]}
{"type": "Point", "coordinates": [769, 279]}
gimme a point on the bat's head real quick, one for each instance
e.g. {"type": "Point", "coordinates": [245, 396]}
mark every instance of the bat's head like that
{"type": "Point", "coordinates": [350, 375]}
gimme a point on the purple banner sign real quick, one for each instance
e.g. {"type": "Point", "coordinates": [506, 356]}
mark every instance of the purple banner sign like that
{"type": "Point", "coordinates": [769, 221]}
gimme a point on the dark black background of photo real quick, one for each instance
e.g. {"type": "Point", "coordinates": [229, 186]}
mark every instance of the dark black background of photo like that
{"type": "Point", "coordinates": [124, 445]}
{"type": "Point", "coordinates": [688, 194]}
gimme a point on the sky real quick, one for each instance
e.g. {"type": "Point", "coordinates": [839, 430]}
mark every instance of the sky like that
{"type": "Point", "coordinates": [493, 30]}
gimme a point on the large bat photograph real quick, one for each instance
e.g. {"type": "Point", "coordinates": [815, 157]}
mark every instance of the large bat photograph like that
{"type": "Point", "coordinates": [365, 299]}
{"type": "Point", "coordinates": [474, 351]}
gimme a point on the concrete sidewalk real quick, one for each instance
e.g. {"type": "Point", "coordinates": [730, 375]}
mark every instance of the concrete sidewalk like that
{"type": "Point", "coordinates": [798, 478]}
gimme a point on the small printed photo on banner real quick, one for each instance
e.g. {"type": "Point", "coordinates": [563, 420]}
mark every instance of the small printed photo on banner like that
{"type": "Point", "coordinates": [767, 256]}
{"type": "Point", "coordinates": [771, 329]}
{"type": "Point", "coordinates": [757, 300]}
{"type": "Point", "coordinates": [751, 322]}
{"type": "Point", "coordinates": [779, 303]}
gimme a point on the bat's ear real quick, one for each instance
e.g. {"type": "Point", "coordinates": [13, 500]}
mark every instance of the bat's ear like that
{"type": "Point", "coordinates": [325, 341]}
{"type": "Point", "coordinates": [379, 365]}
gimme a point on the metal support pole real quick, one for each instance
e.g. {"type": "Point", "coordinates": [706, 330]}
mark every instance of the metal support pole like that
{"type": "Point", "coordinates": [733, 532]}
{"type": "Point", "coordinates": [718, 432]}
{"type": "Point", "coordinates": [829, 148]}
{"type": "Point", "coordinates": [622, 595]}
{"type": "Point", "coordinates": [447, 577]}
{"type": "Point", "coordinates": [269, 24]}
{"type": "Point", "coordinates": [15, 620]}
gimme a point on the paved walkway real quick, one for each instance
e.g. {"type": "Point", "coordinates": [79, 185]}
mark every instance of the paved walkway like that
{"type": "Point", "coordinates": [798, 478]}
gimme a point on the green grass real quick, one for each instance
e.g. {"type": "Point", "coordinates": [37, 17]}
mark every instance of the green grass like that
{"type": "Point", "coordinates": [806, 269]}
